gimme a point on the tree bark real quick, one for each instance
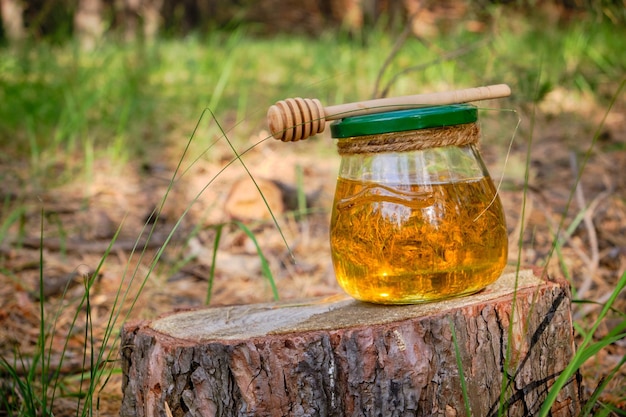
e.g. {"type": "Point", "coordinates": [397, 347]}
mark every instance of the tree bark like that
{"type": "Point", "coordinates": [340, 357]}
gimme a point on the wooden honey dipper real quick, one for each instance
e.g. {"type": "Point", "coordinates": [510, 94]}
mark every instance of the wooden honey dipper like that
{"type": "Point", "coordinates": [295, 119]}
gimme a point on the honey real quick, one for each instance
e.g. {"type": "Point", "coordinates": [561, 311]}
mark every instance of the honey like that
{"type": "Point", "coordinates": [407, 243]}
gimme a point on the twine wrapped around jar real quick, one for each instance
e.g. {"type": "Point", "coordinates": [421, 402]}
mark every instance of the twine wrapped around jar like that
{"type": "Point", "coordinates": [413, 140]}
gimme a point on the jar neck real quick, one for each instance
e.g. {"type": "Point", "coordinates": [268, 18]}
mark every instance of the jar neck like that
{"type": "Point", "coordinates": [412, 140]}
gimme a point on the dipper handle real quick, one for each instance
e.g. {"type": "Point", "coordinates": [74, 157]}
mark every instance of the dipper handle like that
{"type": "Point", "coordinates": [296, 119]}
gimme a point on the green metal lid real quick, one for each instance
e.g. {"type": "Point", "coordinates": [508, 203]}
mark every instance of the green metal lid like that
{"type": "Point", "coordinates": [403, 120]}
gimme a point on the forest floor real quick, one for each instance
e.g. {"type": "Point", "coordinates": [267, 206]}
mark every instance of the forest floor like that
{"type": "Point", "coordinates": [80, 220]}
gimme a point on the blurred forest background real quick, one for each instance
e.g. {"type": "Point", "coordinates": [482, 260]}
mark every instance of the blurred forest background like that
{"type": "Point", "coordinates": [89, 20]}
{"type": "Point", "coordinates": [122, 195]}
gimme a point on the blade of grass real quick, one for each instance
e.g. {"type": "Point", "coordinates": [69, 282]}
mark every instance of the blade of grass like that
{"type": "Point", "coordinates": [245, 167]}
{"type": "Point", "coordinates": [265, 266]}
{"type": "Point", "coordinates": [593, 398]}
{"type": "Point", "coordinates": [610, 410]}
{"type": "Point", "coordinates": [221, 82]}
{"type": "Point", "coordinates": [13, 216]}
{"type": "Point", "coordinates": [216, 244]}
{"type": "Point", "coordinates": [301, 195]}
{"type": "Point", "coordinates": [178, 265]}
{"type": "Point", "coordinates": [88, 346]}
{"type": "Point", "coordinates": [587, 349]}
{"type": "Point", "coordinates": [41, 342]}
{"type": "Point", "coordinates": [22, 387]}
{"type": "Point", "coordinates": [459, 364]}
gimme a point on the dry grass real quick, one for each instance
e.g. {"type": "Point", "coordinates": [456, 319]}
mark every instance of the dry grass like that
{"type": "Point", "coordinates": [593, 252]}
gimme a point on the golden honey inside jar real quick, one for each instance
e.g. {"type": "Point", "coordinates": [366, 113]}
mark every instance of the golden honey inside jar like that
{"type": "Point", "coordinates": [416, 216]}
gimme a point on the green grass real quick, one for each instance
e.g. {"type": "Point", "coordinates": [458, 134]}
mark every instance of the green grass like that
{"type": "Point", "coordinates": [589, 348]}
{"type": "Point", "coordinates": [127, 102]}
{"type": "Point", "coordinates": [123, 98]}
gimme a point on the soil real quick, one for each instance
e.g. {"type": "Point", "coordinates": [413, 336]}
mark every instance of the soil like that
{"type": "Point", "coordinates": [138, 280]}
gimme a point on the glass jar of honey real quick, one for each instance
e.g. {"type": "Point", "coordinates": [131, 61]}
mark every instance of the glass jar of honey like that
{"type": "Point", "coordinates": [416, 216]}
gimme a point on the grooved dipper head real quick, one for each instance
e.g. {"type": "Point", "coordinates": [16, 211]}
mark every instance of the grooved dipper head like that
{"type": "Point", "coordinates": [295, 119]}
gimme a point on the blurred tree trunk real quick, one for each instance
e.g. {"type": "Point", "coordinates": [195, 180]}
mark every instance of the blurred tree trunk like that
{"type": "Point", "coordinates": [151, 13]}
{"type": "Point", "coordinates": [139, 18]}
{"type": "Point", "coordinates": [89, 22]}
{"type": "Point", "coordinates": [12, 12]}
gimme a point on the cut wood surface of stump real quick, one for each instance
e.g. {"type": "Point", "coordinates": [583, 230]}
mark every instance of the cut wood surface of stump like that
{"type": "Point", "coordinates": [339, 357]}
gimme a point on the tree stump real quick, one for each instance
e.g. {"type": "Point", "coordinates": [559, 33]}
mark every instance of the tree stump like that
{"type": "Point", "coordinates": [340, 357]}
